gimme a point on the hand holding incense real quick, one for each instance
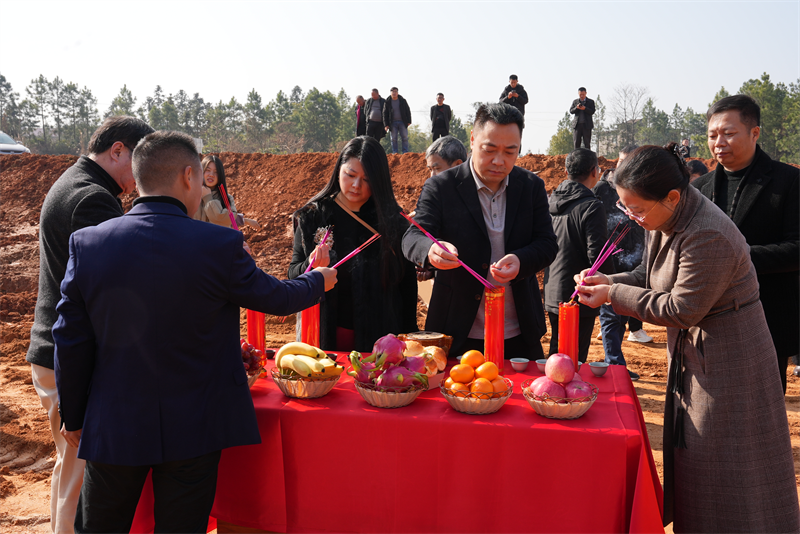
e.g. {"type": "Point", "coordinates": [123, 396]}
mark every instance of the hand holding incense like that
{"type": "Point", "coordinates": [481, 279]}
{"type": "Point", "coordinates": [228, 205]}
{"type": "Point", "coordinates": [608, 249]}
{"type": "Point", "coordinates": [314, 254]}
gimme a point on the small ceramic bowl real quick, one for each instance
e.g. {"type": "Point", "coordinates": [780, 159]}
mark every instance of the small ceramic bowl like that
{"type": "Point", "coordinates": [270, 353]}
{"type": "Point", "coordinates": [519, 364]}
{"type": "Point", "coordinates": [458, 358]}
{"type": "Point", "coordinates": [540, 364]}
{"type": "Point", "coordinates": [598, 368]}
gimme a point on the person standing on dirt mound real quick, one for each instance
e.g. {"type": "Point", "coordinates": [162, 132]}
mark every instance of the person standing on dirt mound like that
{"type": "Point", "coordinates": [582, 123]}
{"type": "Point", "coordinates": [441, 115]}
{"type": "Point", "coordinates": [493, 216]}
{"type": "Point", "coordinates": [397, 116]}
{"type": "Point", "coordinates": [373, 109]}
{"type": "Point", "coordinates": [515, 94]}
{"type": "Point", "coordinates": [148, 362]}
{"type": "Point", "coordinates": [212, 206]}
{"type": "Point", "coordinates": [762, 197]}
{"type": "Point", "coordinates": [728, 463]}
{"type": "Point", "coordinates": [377, 290]}
{"type": "Point", "coordinates": [85, 195]}
{"type": "Point", "coordinates": [361, 118]}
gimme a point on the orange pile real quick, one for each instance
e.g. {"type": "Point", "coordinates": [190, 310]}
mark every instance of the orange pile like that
{"type": "Point", "coordinates": [474, 374]}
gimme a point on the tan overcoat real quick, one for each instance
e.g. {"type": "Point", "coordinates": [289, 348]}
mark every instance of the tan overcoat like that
{"type": "Point", "coordinates": [736, 472]}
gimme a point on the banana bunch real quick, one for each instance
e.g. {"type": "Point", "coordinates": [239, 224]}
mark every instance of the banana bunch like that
{"type": "Point", "coordinates": [306, 360]}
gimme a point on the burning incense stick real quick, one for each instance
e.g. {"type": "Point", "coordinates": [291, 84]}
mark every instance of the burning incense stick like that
{"type": "Point", "coordinates": [228, 205]}
{"type": "Point", "coordinates": [364, 245]}
{"type": "Point", "coordinates": [608, 249]}
{"type": "Point", "coordinates": [481, 279]}
{"type": "Point", "coordinates": [314, 255]}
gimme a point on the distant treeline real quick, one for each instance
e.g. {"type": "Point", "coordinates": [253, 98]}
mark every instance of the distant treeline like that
{"type": "Point", "coordinates": [631, 117]}
{"type": "Point", "coordinates": [58, 118]}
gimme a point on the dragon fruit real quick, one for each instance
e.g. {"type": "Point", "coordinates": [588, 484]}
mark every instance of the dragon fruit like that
{"type": "Point", "coordinates": [391, 347]}
{"type": "Point", "coordinates": [396, 378]}
{"type": "Point", "coordinates": [414, 363]}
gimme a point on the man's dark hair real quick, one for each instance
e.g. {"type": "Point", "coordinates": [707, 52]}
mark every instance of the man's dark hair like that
{"type": "Point", "coordinates": [513, 77]}
{"type": "Point", "coordinates": [127, 130]}
{"type": "Point", "coordinates": [696, 167]}
{"type": "Point", "coordinates": [651, 172]}
{"type": "Point", "coordinates": [448, 148]}
{"type": "Point", "coordinates": [581, 89]}
{"type": "Point", "coordinates": [499, 114]}
{"type": "Point", "coordinates": [160, 157]}
{"type": "Point", "coordinates": [748, 108]}
{"type": "Point", "coordinates": [440, 94]}
{"type": "Point", "coordinates": [580, 163]}
{"type": "Point", "coordinates": [628, 149]}
{"type": "Point", "coordinates": [394, 89]}
{"type": "Point", "coordinates": [376, 90]}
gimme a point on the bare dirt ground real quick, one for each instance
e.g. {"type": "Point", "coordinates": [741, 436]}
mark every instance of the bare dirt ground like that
{"type": "Point", "coordinates": [268, 188]}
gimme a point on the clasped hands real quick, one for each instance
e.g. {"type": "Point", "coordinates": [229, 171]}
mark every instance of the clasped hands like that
{"type": "Point", "coordinates": [504, 270]}
{"type": "Point", "coordinates": [320, 259]}
{"type": "Point", "coordinates": [594, 291]}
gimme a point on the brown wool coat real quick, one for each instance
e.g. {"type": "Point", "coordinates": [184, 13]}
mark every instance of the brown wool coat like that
{"type": "Point", "coordinates": [736, 473]}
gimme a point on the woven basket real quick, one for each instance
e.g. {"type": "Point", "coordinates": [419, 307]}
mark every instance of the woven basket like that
{"type": "Point", "coordinates": [477, 403]}
{"type": "Point", "coordinates": [388, 399]}
{"type": "Point", "coordinates": [556, 407]}
{"type": "Point", "coordinates": [303, 388]}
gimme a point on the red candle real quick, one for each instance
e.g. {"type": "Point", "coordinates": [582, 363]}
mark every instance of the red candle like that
{"type": "Point", "coordinates": [256, 329]}
{"type": "Point", "coordinates": [494, 326]}
{"type": "Point", "coordinates": [568, 320]}
{"type": "Point", "coordinates": [309, 325]}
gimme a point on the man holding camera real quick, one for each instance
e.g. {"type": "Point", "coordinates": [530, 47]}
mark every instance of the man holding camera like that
{"type": "Point", "coordinates": [582, 124]}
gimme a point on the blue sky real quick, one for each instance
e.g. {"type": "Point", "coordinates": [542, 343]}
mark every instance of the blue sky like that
{"type": "Point", "coordinates": [681, 51]}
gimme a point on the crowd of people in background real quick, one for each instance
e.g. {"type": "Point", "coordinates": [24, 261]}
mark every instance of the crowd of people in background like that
{"type": "Point", "coordinates": [712, 258]}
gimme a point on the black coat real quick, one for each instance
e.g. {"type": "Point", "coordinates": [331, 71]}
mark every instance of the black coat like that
{"type": "Point", "coordinates": [449, 209]}
{"type": "Point", "coordinates": [448, 116]}
{"type": "Point", "coordinates": [767, 215]}
{"type": "Point", "coordinates": [588, 112]}
{"type": "Point", "coordinates": [405, 111]}
{"type": "Point", "coordinates": [579, 221]}
{"type": "Point", "coordinates": [516, 101]}
{"type": "Point", "coordinates": [361, 120]}
{"type": "Point", "coordinates": [377, 312]}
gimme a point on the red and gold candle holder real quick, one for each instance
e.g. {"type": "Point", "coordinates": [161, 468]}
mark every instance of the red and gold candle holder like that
{"type": "Point", "coordinates": [568, 321]}
{"type": "Point", "coordinates": [309, 325]}
{"type": "Point", "coordinates": [256, 329]}
{"type": "Point", "coordinates": [494, 326]}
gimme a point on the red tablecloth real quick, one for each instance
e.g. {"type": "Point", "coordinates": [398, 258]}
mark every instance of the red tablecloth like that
{"type": "Point", "coordinates": [336, 464]}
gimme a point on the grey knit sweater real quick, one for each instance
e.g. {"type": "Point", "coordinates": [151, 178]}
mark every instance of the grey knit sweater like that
{"type": "Point", "coordinates": [85, 195]}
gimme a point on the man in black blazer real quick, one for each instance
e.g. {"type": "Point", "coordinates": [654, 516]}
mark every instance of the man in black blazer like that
{"type": "Point", "coordinates": [494, 217]}
{"type": "Point", "coordinates": [582, 124]}
{"type": "Point", "coordinates": [440, 118]}
{"type": "Point", "coordinates": [763, 198]}
{"type": "Point", "coordinates": [147, 358]}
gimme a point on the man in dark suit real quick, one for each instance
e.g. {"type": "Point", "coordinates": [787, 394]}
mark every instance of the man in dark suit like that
{"type": "Point", "coordinates": [373, 108]}
{"type": "Point", "coordinates": [147, 358]}
{"type": "Point", "coordinates": [441, 115]}
{"type": "Point", "coordinates": [361, 118]}
{"type": "Point", "coordinates": [582, 124]}
{"type": "Point", "coordinates": [494, 217]}
{"type": "Point", "coordinates": [762, 197]}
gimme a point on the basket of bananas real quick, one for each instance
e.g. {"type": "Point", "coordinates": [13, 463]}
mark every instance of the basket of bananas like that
{"type": "Point", "coordinates": [303, 371]}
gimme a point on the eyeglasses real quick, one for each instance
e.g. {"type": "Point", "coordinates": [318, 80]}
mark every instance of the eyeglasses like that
{"type": "Point", "coordinates": [629, 213]}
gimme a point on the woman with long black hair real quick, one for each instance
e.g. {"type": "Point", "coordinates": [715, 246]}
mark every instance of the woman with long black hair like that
{"type": "Point", "coordinates": [376, 293]}
{"type": "Point", "coordinates": [212, 206]}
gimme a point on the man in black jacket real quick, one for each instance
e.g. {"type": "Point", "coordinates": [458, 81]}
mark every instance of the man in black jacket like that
{"type": "Point", "coordinates": [373, 109]}
{"type": "Point", "coordinates": [763, 198]}
{"type": "Point", "coordinates": [582, 123]}
{"type": "Point", "coordinates": [440, 118]}
{"type": "Point", "coordinates": [397, 116]}
{"type": "Point", "coordinates": [514, 94]}
{"type": "Point", "coordinates": [493, 216]}
{"type": "Point", "coordinates": [85, 195]}
{"type": "Point", "coordinates": [579, 221]}
{"type": "Point", "coordinates": [361, 118]}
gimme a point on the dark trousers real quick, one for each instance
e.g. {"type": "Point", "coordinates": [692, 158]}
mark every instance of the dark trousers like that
{"type": "Point", "coordinates": [376, 130]}
{"type": "Point", "coordinates": [183, 490]}
{"type": "Point", "coordinates": [436, 134]}
{"type": "Point", "coordinates": [515, 347]}
{"type": "Point", "coordinates": [582, 131]}
{"type": "Point", "coordinates": [585, 328]}
{"type": "Point", "coordinates": [613, 328]}
{"type": "Point", "coordinates": [361, 129]}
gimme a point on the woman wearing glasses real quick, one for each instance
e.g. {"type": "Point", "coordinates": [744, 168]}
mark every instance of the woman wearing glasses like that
{"type": "Point", "coordinates": [728, 463]}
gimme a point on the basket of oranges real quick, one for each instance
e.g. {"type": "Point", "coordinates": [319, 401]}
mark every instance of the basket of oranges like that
{"type": "Point", "coordinates": [475, 386]}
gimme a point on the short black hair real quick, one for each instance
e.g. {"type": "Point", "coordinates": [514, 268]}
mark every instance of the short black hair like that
{"type": "Point", "coordinates": [160, 157]}
{"type": "Point", "coordinates": [580, 163]}
{"type": "Point", "coordinates": [748, 108]}
{"type": "Point", "coordinates": [628, 149]}
{"type": "Point", "coordinates": [696, 167]}
{"type": "Point", "coordinates": [513, 77]}
{"type": "Point", "coordinates": [394, 89]}
{"type": "Point", "coordinates": [581, 89]}
{"type": "Point", "coordinates": [440, 94]}
{"type": "Point", "coordinates": [499, 114]}
{"type": "Point", "coordinates": [448, 148]}
{"type": "Point", "coordinates": [651, 172]}
{"type": "Point", "coordinates": [123, 128]}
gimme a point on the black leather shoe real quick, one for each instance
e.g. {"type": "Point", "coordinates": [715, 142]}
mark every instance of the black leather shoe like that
{"type": "Point", "coordinates": [634, 376]}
